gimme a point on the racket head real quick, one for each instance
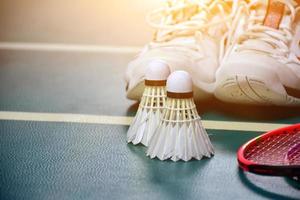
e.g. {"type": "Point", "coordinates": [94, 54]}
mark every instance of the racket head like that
{"type": "Point", "coordinates": [257, 156]}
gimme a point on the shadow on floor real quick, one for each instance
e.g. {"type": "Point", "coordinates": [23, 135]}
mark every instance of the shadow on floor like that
{"type": "Point", "coordinates": [247, 112]}
{"type": "Point", "coordinates": [259, 190]}
{"type": "Point", "coordinates": [166, 174]}
{"type": "Point", "coordinates": [238, 111]}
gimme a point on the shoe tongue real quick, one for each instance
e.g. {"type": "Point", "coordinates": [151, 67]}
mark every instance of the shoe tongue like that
{"type": "Point", "coordinates": [274, 14]}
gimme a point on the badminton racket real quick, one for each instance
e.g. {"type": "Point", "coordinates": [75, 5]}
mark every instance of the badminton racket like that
{"type": "Point", "coordinates": [274, 153]}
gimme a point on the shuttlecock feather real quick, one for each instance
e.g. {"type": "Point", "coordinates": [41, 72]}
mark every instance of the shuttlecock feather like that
{"type": "Point", "coordinates": [151, 106]}
{"type": "Point", "coordinates": [180, 134]}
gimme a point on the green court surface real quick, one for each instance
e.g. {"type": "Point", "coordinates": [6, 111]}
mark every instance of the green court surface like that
{"type": "Point", "coordinates": [44, 157]}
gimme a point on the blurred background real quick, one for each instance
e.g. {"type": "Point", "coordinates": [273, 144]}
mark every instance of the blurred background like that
{"type": "Point", "coordinates": [88, 22]}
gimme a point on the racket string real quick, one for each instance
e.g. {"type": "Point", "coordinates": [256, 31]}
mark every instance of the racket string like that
{"type": "Point", "coordinates": [272, 150]}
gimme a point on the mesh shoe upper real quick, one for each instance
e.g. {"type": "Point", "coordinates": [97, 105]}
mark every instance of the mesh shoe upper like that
{"type": "Point", "coordinates": [276, 50]}
{"type": "Point", "coordinates": [187, 38]}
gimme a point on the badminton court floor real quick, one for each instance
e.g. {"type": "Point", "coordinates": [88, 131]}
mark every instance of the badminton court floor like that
{"type": "Point", "coordinates": [63, 123]}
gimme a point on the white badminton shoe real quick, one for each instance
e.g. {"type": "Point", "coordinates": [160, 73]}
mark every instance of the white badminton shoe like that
{"type": "Point", "coordinates": [261, 64]}
{"type": "Point", "coordinates": [187, 38]}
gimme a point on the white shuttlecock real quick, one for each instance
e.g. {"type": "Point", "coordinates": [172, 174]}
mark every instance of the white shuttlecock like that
{"type": "Point", "coordinates": [152, 103]}
{"type": "Point", "coordinates": [180, 134]}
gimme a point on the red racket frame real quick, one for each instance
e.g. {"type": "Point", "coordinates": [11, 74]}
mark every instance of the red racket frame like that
{"type": "Point", "coordinates": [273, 170]}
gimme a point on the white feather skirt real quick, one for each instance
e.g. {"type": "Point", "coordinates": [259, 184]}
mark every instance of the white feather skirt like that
{"type": "Point", "coordinates": [148, 116]}
{"type": "Point", "coordinates": [180, 136]}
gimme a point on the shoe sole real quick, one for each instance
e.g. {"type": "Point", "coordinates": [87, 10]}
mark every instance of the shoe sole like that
{"type": "Point", "coordinates": [251, 90]}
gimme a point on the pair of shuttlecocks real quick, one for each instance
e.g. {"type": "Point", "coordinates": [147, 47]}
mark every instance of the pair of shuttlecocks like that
{"type": "Point", "coordinates": [167, 120]}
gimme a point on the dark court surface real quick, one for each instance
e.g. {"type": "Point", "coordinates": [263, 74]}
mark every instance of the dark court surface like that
{"type": "Point", "coordinates": [43, 160]}
{"type": "Point", "coordinates": [93, 83]}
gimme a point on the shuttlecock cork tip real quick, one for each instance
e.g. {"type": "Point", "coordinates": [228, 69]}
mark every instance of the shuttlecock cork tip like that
{"type": "Point", "coordinates": [180, 82]}
{"type": "Point", "coordinates": [157, 70]}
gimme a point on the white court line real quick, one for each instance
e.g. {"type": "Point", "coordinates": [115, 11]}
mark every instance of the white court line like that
{"type": "Point", "coordinates": [117, 120]}
{"type": "Point", "coordinates": [69, 47]}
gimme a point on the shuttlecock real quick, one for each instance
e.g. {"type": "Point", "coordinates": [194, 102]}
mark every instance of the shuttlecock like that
{"type": "Point", "coordinates": [180, 134]}
{"type": "Point", "coordinates": [152, 103]}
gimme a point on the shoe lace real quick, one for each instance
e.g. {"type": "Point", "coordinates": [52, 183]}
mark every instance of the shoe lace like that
{"type": "Point", "coordinates": [277, 40]}
{"type": "Point", "coordinates": [184, 18]}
